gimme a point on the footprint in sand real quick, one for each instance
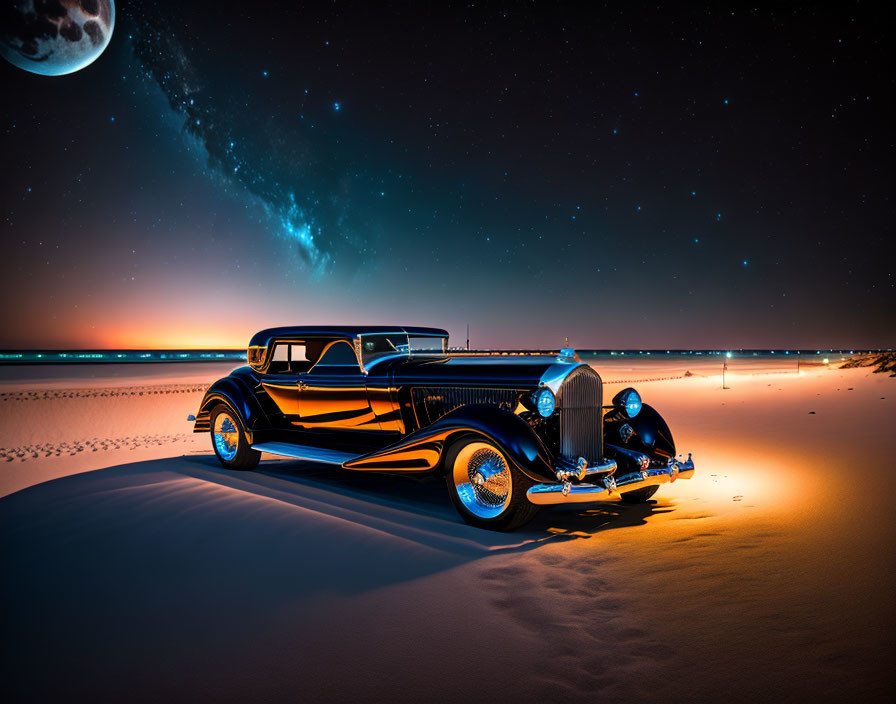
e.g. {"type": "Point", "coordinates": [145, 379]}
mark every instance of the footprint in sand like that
{"type": "Point", "coordinates": [501, 573]}
{"type": "Point", "coordinates": [550, 560]}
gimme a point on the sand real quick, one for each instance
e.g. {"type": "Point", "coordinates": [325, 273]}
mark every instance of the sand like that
{"type": "Point", "coordinates": [134, 567]}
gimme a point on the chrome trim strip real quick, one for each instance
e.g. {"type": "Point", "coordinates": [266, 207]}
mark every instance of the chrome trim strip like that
{"type": "Point", "coordinates": [304, 452]}
{"type": "Point", "coordinates": [565, 471]}
{"type": "Point", "coordinates": [602, 468]}
{"type": "Point", "coordinates": [548, 494]}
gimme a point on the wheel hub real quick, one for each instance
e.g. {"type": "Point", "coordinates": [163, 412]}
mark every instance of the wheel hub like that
{"type": "Point", "coordinates": [482, 479]}
{"type": "Point", "coordinates": [226, 437]}
{"type": "Point", "coordinates": [490, 477]}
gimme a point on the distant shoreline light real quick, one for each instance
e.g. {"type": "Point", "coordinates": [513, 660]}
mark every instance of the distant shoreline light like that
{"type": "Point", "coordinates": [12, 357]}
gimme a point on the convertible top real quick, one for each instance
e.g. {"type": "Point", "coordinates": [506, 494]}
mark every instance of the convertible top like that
{"type": "Point", "coordinates": [344, 332]}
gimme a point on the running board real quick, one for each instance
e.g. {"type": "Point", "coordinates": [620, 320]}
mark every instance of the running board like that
{"type": "Point", "coordinates": [305, 452]}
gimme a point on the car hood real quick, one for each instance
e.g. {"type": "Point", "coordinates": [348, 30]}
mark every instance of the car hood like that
{"type": "Point", "coordinates": [518, 372]}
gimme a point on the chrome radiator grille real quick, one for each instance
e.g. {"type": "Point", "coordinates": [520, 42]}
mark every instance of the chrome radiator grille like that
{"type": "Point", "coordinates": [581, 417]}
{"type": "Point", "coordinates": [432, 402]}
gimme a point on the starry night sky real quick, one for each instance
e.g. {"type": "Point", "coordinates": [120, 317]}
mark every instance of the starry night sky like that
{"type": "Point", "coordinates": [625, 176]}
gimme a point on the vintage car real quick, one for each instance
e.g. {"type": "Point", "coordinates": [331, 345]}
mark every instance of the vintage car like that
{"type": "Point", "coordinates": [509, 433]}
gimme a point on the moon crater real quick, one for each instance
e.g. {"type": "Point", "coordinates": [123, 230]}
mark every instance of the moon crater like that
{"type": "Point", "coordinates": [55, 37]}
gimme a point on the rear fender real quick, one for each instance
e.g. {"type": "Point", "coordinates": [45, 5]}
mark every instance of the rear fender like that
{"type": "Point", "coordinates": [425, 449]}
{"type": "Point", "coordinates": [239, 398]}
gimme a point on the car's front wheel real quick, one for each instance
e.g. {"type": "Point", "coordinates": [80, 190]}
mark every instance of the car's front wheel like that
{"type": "Point", "coordinates": [229, 440]}
{"type": "Point", "coordinates": [485, 487]}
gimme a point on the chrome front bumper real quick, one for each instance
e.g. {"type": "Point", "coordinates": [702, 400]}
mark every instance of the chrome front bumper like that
{"type": "Point", "coordinates": [581, 469]}
{"type": "Point", "coordinates": [611, 488]}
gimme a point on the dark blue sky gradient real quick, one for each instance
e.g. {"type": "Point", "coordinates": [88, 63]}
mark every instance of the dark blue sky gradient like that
{"type": "Point", "coordinates": [697, 178]}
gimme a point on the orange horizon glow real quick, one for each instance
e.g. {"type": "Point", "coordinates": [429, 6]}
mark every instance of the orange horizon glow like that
{"type": "Point", "coordinates": [184, 336]}
{"type": "Point", "coordinates": [175, 320]}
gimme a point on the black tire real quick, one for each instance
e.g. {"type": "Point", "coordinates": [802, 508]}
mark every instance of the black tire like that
{"type": "Point", "coordinates": [517, 510]}
{"type": "Point", "coordinates": [244, 457]}
{"type": "Point", "coordinates": [639, 496]}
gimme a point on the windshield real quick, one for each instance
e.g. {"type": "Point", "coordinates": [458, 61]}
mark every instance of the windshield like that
{"type": "Point", "coordinates": [374, 347]}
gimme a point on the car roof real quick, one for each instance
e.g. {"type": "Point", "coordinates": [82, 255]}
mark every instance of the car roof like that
{"type": "Point", "coordinates": [345, 332]}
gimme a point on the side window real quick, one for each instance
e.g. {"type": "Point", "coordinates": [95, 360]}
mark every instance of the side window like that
{"type": "Point", "coordinates": [289, 358]}
{"type": "Point", "coordinates": [339, 354]}
{"type": "Point", "coordinates": [297, 353]}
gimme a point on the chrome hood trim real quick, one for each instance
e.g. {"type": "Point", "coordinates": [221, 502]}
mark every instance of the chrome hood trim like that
{"type": "Point", "coordinates": [556, 374]}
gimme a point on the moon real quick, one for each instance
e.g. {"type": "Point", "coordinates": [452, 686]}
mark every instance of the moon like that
{"type": "Point", "coordinates": [55, 37]}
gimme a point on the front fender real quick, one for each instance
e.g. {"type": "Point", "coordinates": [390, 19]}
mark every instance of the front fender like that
{"type": "Point", "coordinates": [652, 435]}
{"type": "Point", "coordinates": [233, 393]}
{"type": "Point", "coordinates": [424, 449]}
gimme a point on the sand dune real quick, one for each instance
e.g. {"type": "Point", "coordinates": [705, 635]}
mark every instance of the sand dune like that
{"type": "Point", "coordinates": [768, 577]}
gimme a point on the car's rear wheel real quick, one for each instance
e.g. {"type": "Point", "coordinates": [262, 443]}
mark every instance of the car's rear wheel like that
{"type": "Point", "coordinates": [485, 487]}
{"type": "Point", "coordinates": [639, 496]}
{"type": "Point", "coordinates": [229, 440]}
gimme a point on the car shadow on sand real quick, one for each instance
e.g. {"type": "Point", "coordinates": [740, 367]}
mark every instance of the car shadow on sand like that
{"type": "Point", "coordinates": [181, 567]}
{"type": "Point", "coordinates": [423, 498]}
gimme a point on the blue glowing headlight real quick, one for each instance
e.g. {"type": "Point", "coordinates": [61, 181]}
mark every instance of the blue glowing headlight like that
{"type": "Point", "coordinates": [544, 402]}
{"type": "Point", "coordinates": [631, 402]}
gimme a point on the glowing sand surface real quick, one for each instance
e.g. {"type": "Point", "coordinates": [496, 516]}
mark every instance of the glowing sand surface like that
{"type": "Point", "coordinates": [769, 576]}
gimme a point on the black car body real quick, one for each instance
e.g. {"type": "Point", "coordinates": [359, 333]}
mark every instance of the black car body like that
{"type": "Point", "coordinates": [510, 433]}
